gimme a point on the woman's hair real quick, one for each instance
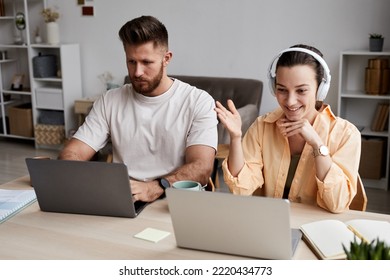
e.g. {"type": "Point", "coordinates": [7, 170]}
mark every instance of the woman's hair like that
{"type": "Point", "coordinates": [142, 30]}
{"type": "Point", "coordinates": [293, 58]}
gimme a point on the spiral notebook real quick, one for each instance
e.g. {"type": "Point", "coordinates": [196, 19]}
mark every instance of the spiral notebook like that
{"type": "Point", "coordinates": [13, 201]}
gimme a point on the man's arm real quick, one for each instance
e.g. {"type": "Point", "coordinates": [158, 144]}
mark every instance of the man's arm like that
{"type": "Point", "coordinates": [198, 167]}
{"type": "Point", "coordinates": [76, 150]}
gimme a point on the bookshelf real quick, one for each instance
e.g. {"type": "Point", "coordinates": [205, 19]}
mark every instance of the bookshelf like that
{"type": "Point", "coordinates": [361, 108]}
{"type": "Point", "coordinates": [55, 96]}
{"type": "Point", "coordinates": [48, 97]}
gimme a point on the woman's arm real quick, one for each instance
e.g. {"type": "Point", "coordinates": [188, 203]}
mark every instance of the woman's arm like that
{"type": "Point", "coordinates": [232, 122]}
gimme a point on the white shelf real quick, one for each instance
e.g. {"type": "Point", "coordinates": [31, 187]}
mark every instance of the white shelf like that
{"type": "Point", "coordinates": [7, 18]}
{"type": "Point", "coordinates": [70, 83]}
{"type": "Point", "coordinates": [365, 53]}
{"type": "Point", "coordinates": [379, 184]}
{"type": "Point", "coordinates": [50, 79]}
{"type": "Point", "coordinates": [45, 46]}
{"type": "Point", "coordinates": [13, 46]}
{"type": "Point", "coordinates": [355, 105]}
{"type": "Point", "coordinates": [368, 132]}
{"type": "Point", "coordinates": [362, 94]}
{"type": "Point", "coordinates": [7, 60]}
{"type": "Point", "coordinates": [8, 102]}
{"type": "Point", "coordinates": [20, 92]}
{"type": "Point", "coordinates": [15, 136]}
{"type": "Point", "coordinates": [20, 61]}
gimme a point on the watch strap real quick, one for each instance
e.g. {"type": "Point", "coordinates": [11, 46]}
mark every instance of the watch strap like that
{"type": "Point", "coordinates": [164, 183]}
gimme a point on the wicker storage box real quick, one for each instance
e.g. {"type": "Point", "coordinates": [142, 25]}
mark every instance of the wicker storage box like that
{"type": "Point", "coordinates": [46, 134]}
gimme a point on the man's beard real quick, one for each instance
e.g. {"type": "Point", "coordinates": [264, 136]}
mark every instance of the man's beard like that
{"type": "Point", "coordinates": [148, 86]}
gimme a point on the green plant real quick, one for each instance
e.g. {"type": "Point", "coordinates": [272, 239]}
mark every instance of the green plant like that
{"type": "Point", "coordinates": [20, 21]}
{"type": "Point", "coordinates": [376, 250]}
{"type": "Point", "coordinates": [376, 35]}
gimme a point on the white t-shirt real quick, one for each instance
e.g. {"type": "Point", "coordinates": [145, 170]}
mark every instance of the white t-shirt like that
{"type": "Point", "coordinates": [150, 134]}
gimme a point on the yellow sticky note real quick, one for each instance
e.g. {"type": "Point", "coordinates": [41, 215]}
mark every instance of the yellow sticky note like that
{"type": "Point", "coordinates": [151, 234]}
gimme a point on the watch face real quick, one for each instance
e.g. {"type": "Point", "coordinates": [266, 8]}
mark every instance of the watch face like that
{"type": "Point", "coordinates": [324, 151]}
{"type": "Point", "coordinates": [164, 183]}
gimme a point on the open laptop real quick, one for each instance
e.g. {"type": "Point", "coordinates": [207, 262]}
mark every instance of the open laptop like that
{"type": "Point", "coordinates": [250, 226]}
{"type": "Point", "coordinates": [83, 187]}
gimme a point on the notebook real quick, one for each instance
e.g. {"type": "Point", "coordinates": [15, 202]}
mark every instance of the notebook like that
{"type": "Point", "coordinates": [249, 226]}
{"type": "Point", "coordinates": [83, 187]}
{"type": "Point", "coordinates": [14, 201]}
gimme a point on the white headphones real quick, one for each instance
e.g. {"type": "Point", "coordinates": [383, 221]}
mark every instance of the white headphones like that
{"type": "Point", "coordinates": [323, 88]}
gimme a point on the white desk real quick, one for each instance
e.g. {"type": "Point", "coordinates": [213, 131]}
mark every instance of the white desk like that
{"type": "Point", "coordinates": [33, 234]}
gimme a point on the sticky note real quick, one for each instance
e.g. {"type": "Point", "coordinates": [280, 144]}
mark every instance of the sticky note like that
{"type": "Point", "coordinates": [151, 234]}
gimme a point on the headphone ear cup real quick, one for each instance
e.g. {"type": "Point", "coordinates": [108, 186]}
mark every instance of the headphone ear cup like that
{"type": "Point", "coordinates": [271, 84]}
{"type": "Point", "coordinates": [272, 75]}
{"type": "Point", "coordinates": [322, 91]}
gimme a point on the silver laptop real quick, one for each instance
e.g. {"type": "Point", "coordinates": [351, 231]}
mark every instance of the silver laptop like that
{"type": "Point", "coordinates": [250, 226]}
{"type": "Point", "coordinates": [83, 187]}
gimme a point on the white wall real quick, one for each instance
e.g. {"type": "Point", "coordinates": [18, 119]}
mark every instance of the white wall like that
{"type": "Point", "coordinates": [232, 38]}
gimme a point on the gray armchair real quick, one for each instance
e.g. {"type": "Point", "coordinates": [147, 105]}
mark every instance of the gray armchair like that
{"type": "Point", "coordinates": [245, 93]}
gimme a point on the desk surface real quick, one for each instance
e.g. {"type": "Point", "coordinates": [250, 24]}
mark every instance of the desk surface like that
{"type": "Point", "coordinates": [33, 234]}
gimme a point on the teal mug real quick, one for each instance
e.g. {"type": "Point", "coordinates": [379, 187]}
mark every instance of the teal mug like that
{"type": "Point", "coordinates": [188, 185]}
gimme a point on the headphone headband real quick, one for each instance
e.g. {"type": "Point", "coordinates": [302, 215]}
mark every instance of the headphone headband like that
{"type": "Point", "coordinates": [323, 88]}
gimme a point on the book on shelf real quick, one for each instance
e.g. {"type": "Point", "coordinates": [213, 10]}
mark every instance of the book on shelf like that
{"type": "Point", "coordinates": [2, 9]}
{"type": "Point", "coordinates": [326, 237]}
{"type": "Point", "coordinates": [13, 201]}
{"type": "Point", "coordinates": [386, 124]}
{"type": "Point", "coordinates": [375, 120]}
{"type": "Point", "coordinates": [373, 81]}
{"type": "Point", "coordinates": [377, 76]}
{"type": "Point", "coordinates": [385, 81]}
{"type": "Point", "coordinates": [380, 117]}
{"type": "Point", "coordinates": [384, 117]}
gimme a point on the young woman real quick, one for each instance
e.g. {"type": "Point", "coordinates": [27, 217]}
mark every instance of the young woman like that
{"type": "Point", "coordinates": [300, 151]}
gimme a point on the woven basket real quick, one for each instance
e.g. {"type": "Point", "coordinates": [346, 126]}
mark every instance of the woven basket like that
{"type": "Point", "coordinates": [46, 134]}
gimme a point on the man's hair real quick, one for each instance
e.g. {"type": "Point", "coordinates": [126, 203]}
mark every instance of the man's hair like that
{"type": "Point", "coordinates": [142, 30]}
{"type": "Point", "coordinates": [290, 59]}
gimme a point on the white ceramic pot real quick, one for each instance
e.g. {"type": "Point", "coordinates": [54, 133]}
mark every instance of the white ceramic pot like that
{"type": "Point", "coordinates": [53, 33]}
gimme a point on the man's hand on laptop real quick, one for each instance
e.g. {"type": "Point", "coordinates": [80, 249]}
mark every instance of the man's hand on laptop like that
{"type": "Point", "coordinates": [145, 191]}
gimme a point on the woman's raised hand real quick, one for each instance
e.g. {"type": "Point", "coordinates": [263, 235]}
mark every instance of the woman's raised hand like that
{"type": "Point", "coordinates": [230, 118]}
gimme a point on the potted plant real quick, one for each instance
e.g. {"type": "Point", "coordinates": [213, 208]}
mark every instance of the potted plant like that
{"type": "Point", "coordinates": [51, 16]}
{"type": "Point", "coordinates": [376, 250]}
{"type": "Point", "coordinates": [20, 22]}
{"type": "Point", "coordinates": [376, 42]}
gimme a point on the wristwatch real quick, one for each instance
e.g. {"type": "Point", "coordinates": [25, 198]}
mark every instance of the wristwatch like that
{"type": "Point", "coordinates": [321, 151]}
{"type": "Point", "coordinates": [164, 183]}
